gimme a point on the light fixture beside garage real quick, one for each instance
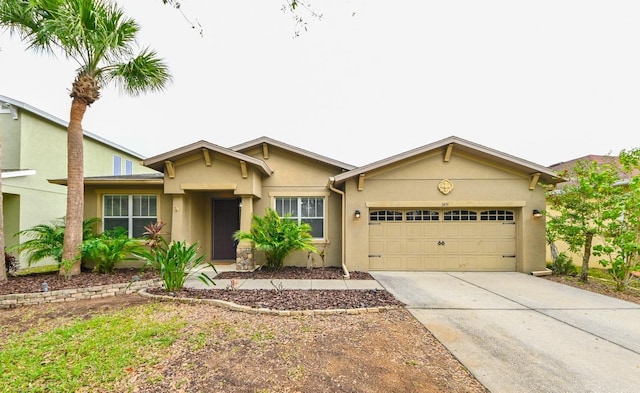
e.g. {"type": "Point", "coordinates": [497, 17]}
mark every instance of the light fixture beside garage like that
{"type": "Point", "coordinates": [357, 214]}
{"type": "Point", "coordinates": [537, 213]}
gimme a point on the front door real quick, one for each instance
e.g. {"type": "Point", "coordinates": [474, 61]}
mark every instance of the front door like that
{"type": "Point", "coordinates": [226, 221]}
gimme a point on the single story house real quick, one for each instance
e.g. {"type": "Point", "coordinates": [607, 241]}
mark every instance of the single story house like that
{"type": "Point", "coordinates": [452, 205]}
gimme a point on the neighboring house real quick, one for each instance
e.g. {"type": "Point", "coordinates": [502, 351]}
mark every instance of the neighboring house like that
{"type": "Point", "coordinates": [34, 150]}
{"type": "Point", "coordinates": [452, 205]}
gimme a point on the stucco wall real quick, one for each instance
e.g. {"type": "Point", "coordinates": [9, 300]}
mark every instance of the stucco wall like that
{"type": "Point", "coordinates": [295, 175]}
{"type": "Point", "coordinates": [34, 143]}
{"type": "Point", "coordinates": [414, 183]}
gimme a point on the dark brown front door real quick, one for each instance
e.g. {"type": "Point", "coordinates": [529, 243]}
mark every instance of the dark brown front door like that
{"type": "Point", "coordinates": [226, 220]}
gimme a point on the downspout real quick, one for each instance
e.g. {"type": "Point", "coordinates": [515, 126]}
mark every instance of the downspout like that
{"type": "Point", "coordinates": [344, 224]}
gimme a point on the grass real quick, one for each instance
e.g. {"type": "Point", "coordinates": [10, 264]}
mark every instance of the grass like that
{"type": "Point", "coordinates": [88, 354]}
{"type": "Point", "coordinates": [602, 274]}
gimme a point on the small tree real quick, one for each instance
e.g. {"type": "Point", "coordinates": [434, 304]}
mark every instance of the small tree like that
{"type": "Point", "coordinates": [579, 208]}
{"type": "Point", "coordinates": [620, 227]}
{"type": "Point", "coordinates": [277, 237]}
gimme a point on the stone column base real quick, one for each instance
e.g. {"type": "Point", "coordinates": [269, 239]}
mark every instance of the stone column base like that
{"type": "Point", "coordinates": [244, 258]}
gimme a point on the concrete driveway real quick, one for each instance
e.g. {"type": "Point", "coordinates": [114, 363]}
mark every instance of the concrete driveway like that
{"type": "Point", "coordinates": [519, 333]}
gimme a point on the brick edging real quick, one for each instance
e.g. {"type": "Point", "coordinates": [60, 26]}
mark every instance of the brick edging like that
{"type": "Point", "coordinates": [267, 311]}
{"type": "Point", "coordinates": [70, 295]}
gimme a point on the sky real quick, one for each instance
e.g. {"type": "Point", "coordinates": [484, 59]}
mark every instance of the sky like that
{"type": "Point", "coordinates": [545, 81]}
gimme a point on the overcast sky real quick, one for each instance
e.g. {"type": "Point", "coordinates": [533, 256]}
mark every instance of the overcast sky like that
{"type": "Point", "coordinates": [545, 81]}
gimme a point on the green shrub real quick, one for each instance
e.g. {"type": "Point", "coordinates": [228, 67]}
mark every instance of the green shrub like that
{"type": "Point", "coordinates": [110, 248]}
{"type": "Point", "coordinates": [176, 262]}
{"type": "Point", "coordinates": [277, 237]}
{"type": "Point", "coordinates": [46, 240]}
{"type": "Point", "coordinates": [564, 266]}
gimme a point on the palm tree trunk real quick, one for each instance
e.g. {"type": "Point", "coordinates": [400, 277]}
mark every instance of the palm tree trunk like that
{"type": "Point", "coordinates": [3, 263]}
{"type": "Point", "coordinates": [75, 188]}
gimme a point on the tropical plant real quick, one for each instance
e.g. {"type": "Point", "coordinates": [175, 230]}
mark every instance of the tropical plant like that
{"type": "Point", "coordinates": [277, 237]}
{"type": "Point", "coordinates": [110, 248]}
{"type": "Point", "coordinates": [563, 265]}
{"type": "Point", "coordinates": [100, 39]}
{"type": "Point", "coordinates": [176, 262]}
{"type": "Point", "coordinates": [46, 240]}
{"type": "Point", "coordinates": [152, 233]}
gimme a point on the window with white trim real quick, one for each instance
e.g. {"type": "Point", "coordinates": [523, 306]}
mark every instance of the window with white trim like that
{"type": "Point", "coordinates": [128, 167]}
{"type": "Point", "coordinates": [303, 209]}
{"type": "Point", "coordinates": [117, 165]}
{"type": "Point", "coordinates": [132, 212]}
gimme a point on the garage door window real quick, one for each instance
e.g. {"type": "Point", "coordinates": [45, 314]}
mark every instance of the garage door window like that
{"type": "Point", "coordinates": [385, 215]}
{"type": "Point", "coordinates": [496, 215]}
{"type": "Point", "coordinates": [460, 215]}
{"type": "Point", "coordinates": [423, 215]}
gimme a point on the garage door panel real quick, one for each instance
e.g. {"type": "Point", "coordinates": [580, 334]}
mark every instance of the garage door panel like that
{"type": "Point", "coordinates": [443, 245]}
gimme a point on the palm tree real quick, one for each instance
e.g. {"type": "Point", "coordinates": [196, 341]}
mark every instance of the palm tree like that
{"type": "Point", "coordinates": [100, 39]}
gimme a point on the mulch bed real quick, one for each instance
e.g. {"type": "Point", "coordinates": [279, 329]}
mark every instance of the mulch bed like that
{"type": "Point", "coordinates": [33, 282]}
{"type": "Point", "coordinates": [294, 272]}
{"type": "Point", "coordinates": [292, 299]}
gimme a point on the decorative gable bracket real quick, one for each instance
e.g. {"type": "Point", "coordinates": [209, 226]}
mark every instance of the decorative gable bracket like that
{"type": "Point", "coordinates": [447, 153]}
{"type": "Point", "coordinates": [207, 156]}
{"type": "Point", "coordinates": [533, 180]}
{"type": "Point", "coordinates": [170, 168]}
{"type": "Point", "coordinates": [243, 169]}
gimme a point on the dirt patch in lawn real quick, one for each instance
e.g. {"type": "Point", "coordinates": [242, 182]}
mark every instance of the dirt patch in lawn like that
{"type": "Point", "coordinates": [219, 350]}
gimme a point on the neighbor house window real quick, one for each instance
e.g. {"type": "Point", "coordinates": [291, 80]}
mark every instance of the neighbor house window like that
{"type": "Point", "coordinates": [117, 165]}
{"type": "Point", "coordinates": [303, 209]}
{"type": "Point", "coordinates": [132, 212]}
{"type": "Point", "coordinates": [128, 167]}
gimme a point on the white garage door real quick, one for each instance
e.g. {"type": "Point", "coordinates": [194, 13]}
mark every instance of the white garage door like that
{"type": "Point", "coordinates": [442, 240]}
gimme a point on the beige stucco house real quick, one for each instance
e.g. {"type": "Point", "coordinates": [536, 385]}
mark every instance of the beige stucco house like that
{"type": "Point", "coordinates": [452, 205]}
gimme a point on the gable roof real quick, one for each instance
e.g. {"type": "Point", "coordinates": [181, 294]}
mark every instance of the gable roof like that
{"type": "Point", "coordinates": [546, 175]}
{"type": "Point", "coordinates": [65, 124]}
{"type": "Point", "coordinates": [157, 162]}
{"type": "Point", "coordinates": [305, 153]}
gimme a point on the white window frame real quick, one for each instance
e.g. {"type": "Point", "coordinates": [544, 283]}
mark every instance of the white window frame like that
{"type": "Point", "coordinates": [117, 165]}
{"type": "Point", "coordinates": [299, 218]}
{"type": "Point", "coordinates": [128, 167]}
{"type": "Point", "coordinates": [130, 210]}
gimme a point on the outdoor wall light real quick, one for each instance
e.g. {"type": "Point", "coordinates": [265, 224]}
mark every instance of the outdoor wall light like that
{"type": "Point", "coordinates": [357, 213]}
{"type": "Point", "coordinates": [537, 213]}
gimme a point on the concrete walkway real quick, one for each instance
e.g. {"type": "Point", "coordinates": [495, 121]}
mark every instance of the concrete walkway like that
{"type": "Point", "coordinates": [519, 333]}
